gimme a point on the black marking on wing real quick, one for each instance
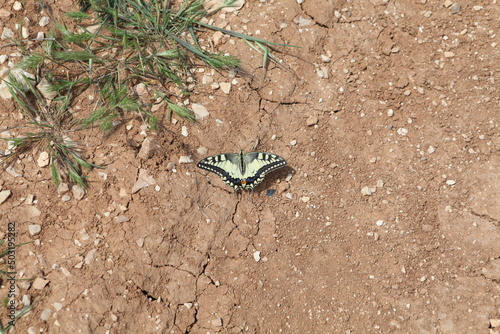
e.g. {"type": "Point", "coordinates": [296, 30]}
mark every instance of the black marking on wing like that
{"type": "Point", "coordinates": [261, 172]}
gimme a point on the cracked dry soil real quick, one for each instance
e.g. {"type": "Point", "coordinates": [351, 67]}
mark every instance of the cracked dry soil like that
{"type": "Point", "coordinates": [388, 116]}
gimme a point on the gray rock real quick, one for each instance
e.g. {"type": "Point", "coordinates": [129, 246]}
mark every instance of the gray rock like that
{"type": "Point", "coordinates": [34, 229]}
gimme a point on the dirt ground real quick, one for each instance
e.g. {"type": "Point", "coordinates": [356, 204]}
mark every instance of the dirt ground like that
{"type": "Point", "coordinates": [386, 219]}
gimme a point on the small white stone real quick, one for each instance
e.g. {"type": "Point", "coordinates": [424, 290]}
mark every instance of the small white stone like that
{"type": "Point", "coordinates": [199, 111]}
{"type": "Point", "coordinates": [40, 283]}
{"type": "Point", "coordinates": [305, 199]}
{"type": "Point", "coordinates": [44, 21]}
{"type": "Point", "coordinates": [185, 159]}
{"type": "Point", "coordinates": [3, 58]}
{"type": "Point", "coordinates": [62, 188]}
{"type": "Point", "coordinates": [202, 151]}
{"type": "Point", "coordinates": [402, 131]}
{"type": "Point", "coordinates": [366, 191]}
{"type": "Point", "coordinates": [65, 198]}
{"type": "Point", "coordinates": [450, 182]}
{"type": "Point", "coordinates": [4, 194]}
{"type": "Point", "coordinates": [217, 322]}
{"type": "Point", "coordinates": [256, 256]}
{"type": "Point", "coordinates": [17, 6]}
{"type": "Point", "coordinates": [26, 300]}
{"type": "Point", "coordinates": [293, 142]}
{"type": "Point", "coordinates": [34, 229]}
{"type": "Point", "coordinates": [140, 242]}
{"type": "Point", "coordinates": [380, 222]}
{"type": "Point", "coordinates": [57, 306]}
{"type": "Point", "coordinates": [78, 192]}
{"type": "Point", "coordinates": [43, 159]}
{"type": "Point", "coordinates": [46, 314]}
{"type": "Point", "coordinates": [7, 33]}
{"type": "Point", "coordinates": [225, 87]}
{"type": "Point", "coordinates": [431, 149]}
{"type": "Point", "coordinates": [184, 131]}
{"type": "Point", "coordinates": [25, 32]}
{"type": "Point", "coordinates": [325, 59]}
{"type": "Point", "coordinates": [448, 54]}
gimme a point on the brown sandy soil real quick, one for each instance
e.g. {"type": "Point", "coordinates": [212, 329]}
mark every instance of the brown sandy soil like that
{"type": "Point", "coordinates": [386, 219]}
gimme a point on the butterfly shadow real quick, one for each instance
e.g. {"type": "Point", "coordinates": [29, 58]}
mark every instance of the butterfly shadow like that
{"type": "Point", "coordinates": [269, 183]}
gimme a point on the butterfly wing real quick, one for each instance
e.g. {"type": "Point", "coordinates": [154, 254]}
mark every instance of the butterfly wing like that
{"type": "Point", "coordinates": [257, 165]}
{"type": "Point", "coordinates": [242, 170]}
{"type": "Point", "coordinates": [227, 166]}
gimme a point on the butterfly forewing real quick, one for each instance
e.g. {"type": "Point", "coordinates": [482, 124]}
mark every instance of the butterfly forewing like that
{"type": "Point", "coordinates": [243, 170]}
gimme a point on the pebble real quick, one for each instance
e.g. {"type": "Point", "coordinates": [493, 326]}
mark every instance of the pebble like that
{"type": "Point", "coordinates": [199, 110]}
{"type": "Point", "coordinates": [7, 33]}
{"type": "Point", "coordinates": [312, 120]}
{"type": "Point", "coordinates": [380, 222]}
{"type": "Point", "coordinates": [144, 180]}
{"type": "Point", "coordinates": [33, 330]}
{"type": "Point", "coordinates": [456, 8]}
{"type": "Point", "coordinates": [185, 159]}
{"type": "Point", "coordinates": [62, 188]}
{"type": "Point", "coordinates": [323, 72]}
{"type": "Point", "coordinates": [78, 192]}
{"type": "Point", "coordinates": [148, 148]}
{"type": "Point", "coordinates": [293, 142]}
{"type": "Point", "coordinates": [303, 22]}
{"type": "Point", "coordinates": [46, 314]}
{"type": "Point", "coordinates": [90, 256]}
{"type": "Point", "coordinates": [45, 88]}
{"type": "Point", "coordinates": [217, 322]}
{"type": "Point", "coordinates": [4, 194]}
{"type": "Point", "coordinates": [44, 21]}
{"type": "Point", "coordinates": [17, 6]}
{"type": "Point", "coordinates": [3, 58]}
{"type": "Point", "coordinates": [140, 242]}
{"type": "Point", "coordinates": [225, 87]}
{"type": "Point", "coordinates": [431, 149]}
{"type": "Point", "coordinates": [66, 198]}
{"type": "Point", "coordinates": [122, 219]}
{"type": "Point", "coordinates": [366, 191]}
{"type": "Point", "coordinates": [390, 113]}
{"type": "Point", "coordinates": [448, 54]}
{"type": "Point", "coordinates": [4, 13]}
{"type": "Point", "coordinates": [325, 58]}
{"type": "Point", "coordinates": [26, 300]}
{"type": "Point", "coordinates": [184, 131]}
{"type": "Point", "coordinates": [34, 229]}
{"type": "Point", "coordinates": [40, 283]}
{"type": "Point", "coordinates": [305, 199]}
{"type": "Point", "coordinates": [256, 256]}
{"type": "Point", "coordinates": [495, 323]}
{"type": "Point", "coordinates": [448, 3]}
{"type": "Point", "coordinates": [57, 306]}
{"type": "Point", "coordinates": [25, 32]}
{"type": "Point", "coordinates": [202, 151]}
{"type": "Point", "coordinates": [402, 131]}
{"type": "Point", "coordinates": [43, 159]}
{"type": "Point", "coordinates": [450, 182]}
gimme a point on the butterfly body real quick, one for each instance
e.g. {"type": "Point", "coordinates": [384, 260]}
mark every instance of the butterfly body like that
{"type": "Point", "coordinates": [242, 170]}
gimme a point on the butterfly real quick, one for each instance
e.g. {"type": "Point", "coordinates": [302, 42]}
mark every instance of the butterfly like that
{"type": "Point", "coordinates": [242, 170]}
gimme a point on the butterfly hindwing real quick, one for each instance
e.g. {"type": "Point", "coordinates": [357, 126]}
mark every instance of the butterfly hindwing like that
{"type": "Point", "coordinates": [242, 170]}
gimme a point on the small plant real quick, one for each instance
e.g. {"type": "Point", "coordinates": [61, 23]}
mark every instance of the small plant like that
{"type": "Point", "coordinates": [50, 126]}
